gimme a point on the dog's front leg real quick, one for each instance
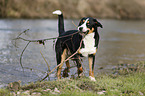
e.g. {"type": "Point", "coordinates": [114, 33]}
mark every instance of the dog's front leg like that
{"type": "Point", "coordinates": [91, 67]}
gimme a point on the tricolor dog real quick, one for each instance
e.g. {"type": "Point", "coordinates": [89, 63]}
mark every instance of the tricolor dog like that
{"type": "Point", "coordinates": [69, 42]}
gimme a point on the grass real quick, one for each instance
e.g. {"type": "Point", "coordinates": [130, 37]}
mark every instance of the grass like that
{"type": "Point", "coordinates": [128, 84]}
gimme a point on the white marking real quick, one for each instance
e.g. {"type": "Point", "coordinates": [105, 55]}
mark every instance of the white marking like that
{"type": "Point", "coordinates": [84, 26]}
{"type": "Point", "coordinates": [89, 45]}
{"type": "Point", "coordinates": [58, 12]}
{"type": "Point", "coordinates": [92, 78]}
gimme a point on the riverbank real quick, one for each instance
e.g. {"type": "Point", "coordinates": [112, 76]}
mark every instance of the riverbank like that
{"type": "Point", "coordinates": [127, 81]}
{"type": "Point", "coordinates": [118, 9]}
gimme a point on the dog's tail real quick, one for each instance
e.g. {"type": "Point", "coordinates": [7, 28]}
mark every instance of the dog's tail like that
{"type": "Point", "coordinates": [60, 21]}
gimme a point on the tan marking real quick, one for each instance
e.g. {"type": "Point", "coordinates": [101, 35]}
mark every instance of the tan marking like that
{"type": "Point", "coordinates": [91, 31]}
{"type": "Point", "coordinates": [63, 57]}
{"type": "Point", "coordinates": [95, 52]}
{"type": "Point", "coordinates": [80, 70]}
{"type": "Point", "coordinates": [67, 64]}
{"type": "Point", "coordinates": [91, 72]}
{"type": "Point", "coordinates": [83, 20]}
{"type": "Point", "coordinates": [87, 21]}
{"type": "Point", "coordinates": [79, 51]}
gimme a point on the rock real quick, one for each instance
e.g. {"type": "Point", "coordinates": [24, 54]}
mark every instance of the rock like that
{"type": "Point", "coordinates": [140, 93]}
{"type": "Point", "coordinates": [36, 94]}
{"type": "Point", "coordinates": [101, 93]}
{"type": "Point", "coordinates": [47, 90]}
{"type": "Point", "coordinates": [56, 90]}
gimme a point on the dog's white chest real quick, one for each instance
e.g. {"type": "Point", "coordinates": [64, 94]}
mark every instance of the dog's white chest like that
{"type": "Point", "coordinates": [89, 45]}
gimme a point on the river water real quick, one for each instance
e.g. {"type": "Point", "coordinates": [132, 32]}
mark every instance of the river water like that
{"type": "Point", "coordinates": [120, 42]}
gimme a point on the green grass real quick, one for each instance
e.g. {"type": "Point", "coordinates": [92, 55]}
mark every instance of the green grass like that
{"type": "Point", "coordinates": [4, 92]}
{"type": "Point", "coordinates": [128, 84]}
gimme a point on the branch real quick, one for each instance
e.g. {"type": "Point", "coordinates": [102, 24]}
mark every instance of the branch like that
{"type": "Point", "coordinates": [22, 55]}
{"type": "Point", "coordinates": [42, 41]}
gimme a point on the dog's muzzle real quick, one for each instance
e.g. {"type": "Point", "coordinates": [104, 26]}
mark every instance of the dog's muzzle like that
{"type": "Point", "coordinates": [83, 33]}
{"type": "Point", "coordinates": [80, 28]}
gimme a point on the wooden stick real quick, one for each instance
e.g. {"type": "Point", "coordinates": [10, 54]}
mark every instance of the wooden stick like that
{"type": "Point", "coordinates": [74, 24]}
{"type": "Point", "coordinates": [45, 61]}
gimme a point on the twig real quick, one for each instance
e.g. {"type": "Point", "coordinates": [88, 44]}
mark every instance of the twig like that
{"type": "Point", "coordinates": [74, 24]}
{"type": "Point", "coordinates": [22, 55]}
{"type": "Point", "coordinates": [45, 61]}
{"type": "Point", "coordinates": [19, 36]}
{"type": "Point", "coordinates": [41, 41]}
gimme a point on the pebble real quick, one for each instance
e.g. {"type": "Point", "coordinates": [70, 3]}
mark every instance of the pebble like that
{"type": "Point", "coordinates": [56, 90]}
{"type": "Point", "coordinates": [36, 94]}
{"type": "Point", "coordinates": [141, 93]}
{"type": "Point", "coordinates": [100, 93]}
{"type": "Point", "coordinates": [47, 90]}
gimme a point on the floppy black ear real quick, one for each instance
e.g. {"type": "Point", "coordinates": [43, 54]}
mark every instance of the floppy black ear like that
{"type": "Point", "coordinates": [98, 23]}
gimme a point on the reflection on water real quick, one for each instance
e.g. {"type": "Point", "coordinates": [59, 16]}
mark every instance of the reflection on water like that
{"type": "Point", "coordinates": [121, 42]}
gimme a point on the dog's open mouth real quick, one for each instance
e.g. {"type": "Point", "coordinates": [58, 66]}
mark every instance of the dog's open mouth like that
{"type": "Point", "coordinates": [83, 33]}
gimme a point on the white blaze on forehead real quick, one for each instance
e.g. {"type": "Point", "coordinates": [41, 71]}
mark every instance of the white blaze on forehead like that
{"type": "Point", "coordinates": [84, 26]}
{"type": "Point", "coordinates": [58, 12]}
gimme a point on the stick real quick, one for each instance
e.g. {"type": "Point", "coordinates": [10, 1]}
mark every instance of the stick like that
{"type": "Point", "coordinates": [74, 24]}
{"type": "Point", "coordinates": [45, 62]}
{"type": "Point", "coordinates": [22, 55]}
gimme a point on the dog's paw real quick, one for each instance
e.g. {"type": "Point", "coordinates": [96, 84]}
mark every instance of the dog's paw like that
{"type": "Point", "coordinates": [92, 78]}
{"type": "Point", "coordinates": [58, 12]}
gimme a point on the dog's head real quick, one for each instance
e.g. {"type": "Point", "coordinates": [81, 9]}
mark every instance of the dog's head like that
{"type": "Point", "coordinates": [88, 24]}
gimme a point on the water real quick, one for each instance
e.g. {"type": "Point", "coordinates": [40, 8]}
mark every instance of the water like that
{"type": "Point", "coordinates": [120, 42]}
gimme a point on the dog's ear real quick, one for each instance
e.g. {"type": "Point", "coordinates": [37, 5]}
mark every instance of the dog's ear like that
{"type": "Point", "coordinates": [98, 23]}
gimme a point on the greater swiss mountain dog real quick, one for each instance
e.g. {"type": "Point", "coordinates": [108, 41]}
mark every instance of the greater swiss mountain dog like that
{"type": "Point", "coordinates": [69, 42]}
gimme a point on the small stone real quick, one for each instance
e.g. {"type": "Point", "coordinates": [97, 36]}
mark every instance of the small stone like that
{"type": "Point", "coordinates": [140, 93]}
{"type": "Point", "coordinates": [56, 90]}
{"type": "Point", "coordinates": [18, 93]}
{"type": "Point", "coordinates": [47, 90]}
{"type": "Point", "coordinates": [102, 92]}
{"type": "Point", "coordinates": [36, 94]}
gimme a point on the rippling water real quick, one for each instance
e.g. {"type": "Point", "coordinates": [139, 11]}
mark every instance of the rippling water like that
{"type": "Point", "coordinates": [121, 42]}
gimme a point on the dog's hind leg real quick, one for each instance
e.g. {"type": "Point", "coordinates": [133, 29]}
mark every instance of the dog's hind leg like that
{"type": "Point", "coordinates": [79, 66]}
{"type": "Point", "coordinates": [66, 70]}
{"type": "Point", "coordinates": [63, 57]}
{"type": "Point", "coordinates": [91, 67]}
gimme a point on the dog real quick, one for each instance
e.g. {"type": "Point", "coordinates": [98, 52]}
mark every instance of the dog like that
{"type": "Point", "coordinates": [84, 41]}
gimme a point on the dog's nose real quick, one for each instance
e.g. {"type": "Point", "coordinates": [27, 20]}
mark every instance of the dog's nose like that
{"type": "Point", "coordinates": [81, 28]}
